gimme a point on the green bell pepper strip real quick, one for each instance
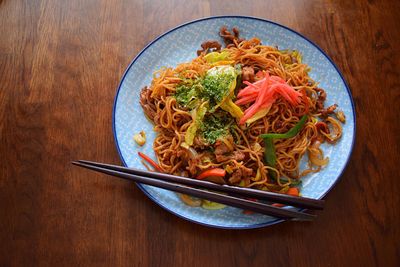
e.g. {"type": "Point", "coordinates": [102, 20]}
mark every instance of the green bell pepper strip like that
{"type": "Point", "coordinates": [269, 153]}
{"type": "Point", "coordinates": [289, 134]}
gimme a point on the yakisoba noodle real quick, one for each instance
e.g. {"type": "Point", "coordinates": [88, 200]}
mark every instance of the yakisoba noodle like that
{"type": "Point", "coordinates": [239, 149]}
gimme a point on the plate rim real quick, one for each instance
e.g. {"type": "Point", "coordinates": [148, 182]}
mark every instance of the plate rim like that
{"type": "Point", "coordinates": [250, 226]}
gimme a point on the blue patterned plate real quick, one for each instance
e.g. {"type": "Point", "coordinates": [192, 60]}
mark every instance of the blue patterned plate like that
{"type": "Point", "coordinates": [180, 45]}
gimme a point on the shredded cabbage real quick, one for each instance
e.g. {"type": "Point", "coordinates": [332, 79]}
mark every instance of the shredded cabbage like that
{"type": "Point", "coordinates": [197, 116]}
{"type": "Point", "coordinates": [217, 56]}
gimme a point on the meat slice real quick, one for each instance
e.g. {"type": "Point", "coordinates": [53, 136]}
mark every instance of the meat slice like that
{"type": "Point", "coordinates": [236, 155]}
{"type": "Point", "coordinates": [224, 152]}
{"type": "Point", "coordinates": [239, 174]}
{"type": "Point", "coordinates": [221, 147]}
{"type": "Point", "coordinates": [149, 108]}
{"type": "Point", "coordinates": [230, 39]}
{"type": "Point", "coordinates": [199, 143]}
{"type": "Point", "coordinates": [236, 177]}
{"type": "Point", "coordinates": [327, 111]}
{"type": "Point", "coordinates": [321, 98]}
{"type": "Point", "coordinates": [248, 74]}
{"type": "Point", "coordinates": [247, 172]}
{"type": "Point", "coordinates": [209, 46]}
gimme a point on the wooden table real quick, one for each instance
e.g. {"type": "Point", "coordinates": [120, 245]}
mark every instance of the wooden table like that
{"type": "Point", "coordinates": [60, 64]}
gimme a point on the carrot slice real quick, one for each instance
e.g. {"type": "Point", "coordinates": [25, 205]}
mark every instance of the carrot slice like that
{"type": "Point", "coordinates": [212, 172]}
{"type": "Point", "coordinates": [150, 161]}
{"type": "Point", "coordinates": [293, 191]}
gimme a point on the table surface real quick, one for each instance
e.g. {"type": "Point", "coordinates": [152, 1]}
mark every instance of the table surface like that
{"type": "Point", "coordinates": [60, 65]}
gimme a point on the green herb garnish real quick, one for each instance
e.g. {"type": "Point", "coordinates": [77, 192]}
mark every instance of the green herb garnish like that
{"type": "Point", "coordinates": [216, 87]}
{"type": "Point", "coordinates": [187, 93]}
{"type": "Point", "coordinates": [214, 127]}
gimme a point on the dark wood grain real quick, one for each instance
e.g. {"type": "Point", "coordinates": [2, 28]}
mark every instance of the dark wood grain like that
{"type": "Point", "coordinates": [60, 64]}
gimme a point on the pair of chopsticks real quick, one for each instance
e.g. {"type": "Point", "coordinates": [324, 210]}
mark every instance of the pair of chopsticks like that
{"type": "Point", "coordinates": [237, 196]}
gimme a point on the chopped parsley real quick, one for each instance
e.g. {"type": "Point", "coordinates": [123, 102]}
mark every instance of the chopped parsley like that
{"type": "Point", "coordinates": [214, 127]}
{"type": "Point", "coordinates": [213, 87]}
{"type": "Point", "coordinates": [216, 87]}
{"type": "Point", "coordinates": [187, 93]}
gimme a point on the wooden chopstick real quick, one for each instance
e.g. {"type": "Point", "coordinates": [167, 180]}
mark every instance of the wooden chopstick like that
{"type": "Point", "coordinates": [300, 202]}
{"type": "Point", "coordinates": [212, 196]}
